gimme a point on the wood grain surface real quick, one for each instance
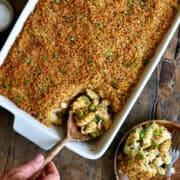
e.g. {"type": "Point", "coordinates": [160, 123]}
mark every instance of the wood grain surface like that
{"type": "Point", "coordinates": [159, 100]}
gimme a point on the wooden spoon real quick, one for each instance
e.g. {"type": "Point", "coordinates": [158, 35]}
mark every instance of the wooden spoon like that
{"type": "Point", "coordinates": [73, 134]}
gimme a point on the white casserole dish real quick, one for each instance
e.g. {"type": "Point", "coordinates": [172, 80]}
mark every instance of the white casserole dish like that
{"type": "Point", "coordinates": [45, 137]}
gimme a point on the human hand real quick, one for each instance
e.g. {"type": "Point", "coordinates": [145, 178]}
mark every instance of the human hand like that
{"type": "Point", "coordinates": [28, 169]}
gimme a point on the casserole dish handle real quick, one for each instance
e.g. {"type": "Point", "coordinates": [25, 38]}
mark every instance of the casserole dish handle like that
{"type": "Point", "coordinates": [30, 131]}
{"type": "Point", "coordinates": [27, 126]}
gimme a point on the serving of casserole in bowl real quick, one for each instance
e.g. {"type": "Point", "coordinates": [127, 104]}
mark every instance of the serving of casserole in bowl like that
{"type": "Point", "coordinates": [59, 49]}
{"type": "Point", "coordinates": [144, 151]}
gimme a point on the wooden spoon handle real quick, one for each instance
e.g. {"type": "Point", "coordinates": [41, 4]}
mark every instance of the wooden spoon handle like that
{"type": "Point", "coordinates": [50, 156]}
{"type": "Point", "coordinates": [54, 152]}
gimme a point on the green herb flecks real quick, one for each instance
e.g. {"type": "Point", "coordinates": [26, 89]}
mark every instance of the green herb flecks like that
{"type": "Point", "coordinates": [130, 6]}
{"type": "Point", "coordinates": [45, 58]}
{"type": "Point", "coordinates": [164, 1]}
{"type": "Point", "coordinates": [43, 88]}
{"type": "Point", "coordinates": [140, 156]}
{"type": "Point", "coordinates": [109, 53]}
{"type": "Point", "coordinates": [7, 86]}
{"type": "Point", "coordinates": [142, 2]}
{"type": "Point", "coordinates": [129, 64]}
{"type": "Point", "coordinates": [27, 82]}
{"type": "Point", "coordinates": [27, 60]}
{"type": "Point", "coordinates": [99, 26]}
{"type": "Point", "coordinates": [130, 3]}
{"type": "Point", "coordinates": [19, 98]}
{"type": "Point", "coordinates": [57, 1]}
{"type": "Point", "coordinates": [90, 63]}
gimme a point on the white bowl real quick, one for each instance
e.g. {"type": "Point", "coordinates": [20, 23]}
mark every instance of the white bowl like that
{"type": "Point", "coordinates": [6, 15]}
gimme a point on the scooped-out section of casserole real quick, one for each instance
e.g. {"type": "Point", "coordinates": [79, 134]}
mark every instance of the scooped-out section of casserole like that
{"type": "Point", "coordinates": [71, 46]}
{"type": "Point", "coordinates": [92, 114]}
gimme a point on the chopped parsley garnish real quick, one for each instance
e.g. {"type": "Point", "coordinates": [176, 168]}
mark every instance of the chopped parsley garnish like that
{"type": "Point", "coordinates": [7, 86]}
{"type": "Point", "coordinates": [19, 98]}
{"type": "Point", "coordinates": [99, 25]}
{"type": "Point", "coordinates": [140, 156]}
{"type": "Point", "coordinates": [27, 82]}
{"type": "Point", "coordinates": [109, 53]}
{"type": "Point", "coordinates": [164, 1]}
{"type": "Point", "coordinates": [45, 58]}
{"type": "Point", "coordinates": [57, 1]}
{"type": "Point", "coordinates": [27, 60]}
{"type": "Point", "coordinates": [130, 3]}
{"type": "Point", "coordinates": [142, 2]}
{"type": "Point", "coordinates": [90, 63]}
{"type": "Point", "coordinates": [80, 113]}
{"type": "Point", "coordinates": [44, 88]}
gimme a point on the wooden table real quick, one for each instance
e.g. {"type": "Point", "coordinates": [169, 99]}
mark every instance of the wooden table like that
{"type": "Point", "coordinates": [159, 100]}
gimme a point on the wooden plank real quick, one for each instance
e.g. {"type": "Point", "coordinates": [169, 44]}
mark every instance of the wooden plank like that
{"type": "Point", "coordinates": [169, 88]}
{"type": "Point", "coordinates": [170, 52]}
{"type": "Point", "coordinates": [177, 77]}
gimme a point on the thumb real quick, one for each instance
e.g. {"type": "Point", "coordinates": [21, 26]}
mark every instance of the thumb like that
{"type": "Point", "coordinates": [28, 169]}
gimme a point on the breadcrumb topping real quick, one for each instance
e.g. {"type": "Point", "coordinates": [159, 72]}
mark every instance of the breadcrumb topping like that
{"type": "Point", "coordinates": [68, 46]}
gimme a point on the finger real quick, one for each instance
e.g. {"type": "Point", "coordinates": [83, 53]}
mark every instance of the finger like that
{"type": "Point", "coordinates": [41, 176]}
{"type": "Point", "coordinates": [28, 169]}
{"type": "Point", "coordinates": [52, 177]}
{"type": "Point", "coordinates": [1, 174]}
{"type": "Point", "coordinates": [51, 169]}
{"type": "Point", "coordinates": [51, 173]}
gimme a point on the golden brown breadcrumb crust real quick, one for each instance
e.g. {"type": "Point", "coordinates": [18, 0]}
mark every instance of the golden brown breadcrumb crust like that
{"type": "Point", "coordinates": [133, 171]}
{"type": "Point", "coordinates": [69, 45]}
